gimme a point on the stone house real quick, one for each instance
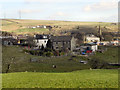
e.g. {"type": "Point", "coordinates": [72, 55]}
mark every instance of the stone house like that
{"type": "Point", "coordinates": [8, 41]}
{"type": "Point", "coordinates": [63, 42]}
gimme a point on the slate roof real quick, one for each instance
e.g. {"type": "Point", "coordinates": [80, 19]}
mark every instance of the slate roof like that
{"type": "Point", "coordinates": [88, 44]}
{"type": "Point", "coordinates": [40, 36]}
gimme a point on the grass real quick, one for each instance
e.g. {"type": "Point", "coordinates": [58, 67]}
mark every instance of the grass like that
{"type": "Point", "coordinates": [21, 62]}
{"type": "Point", "coordinates": [30, 30]}
{"type": "Point", "coordinates": [77, 79]}
{"type": "Point", "coordinates": [110, 56]}
{"type": "Point", "coordinates": [16, 25]}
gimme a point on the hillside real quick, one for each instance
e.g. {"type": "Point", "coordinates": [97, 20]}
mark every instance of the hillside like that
{"type": "Point", "coordinates": [21, 26]}
{"type": "Point", "coordinates": [21, 61]}
{"type": "Point", "coordinates": [77, 79]}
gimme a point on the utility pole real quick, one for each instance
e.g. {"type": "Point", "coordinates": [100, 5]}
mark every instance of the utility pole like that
{"type": "Point", "coordinates": [19, 14]}
{"type": "Point", "coordinates": [100, 32]}
{"type": "Point", "coordinates": [4, 15]}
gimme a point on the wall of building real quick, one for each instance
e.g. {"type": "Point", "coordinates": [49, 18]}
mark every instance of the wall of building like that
{"type": "Point", "coordinates": [92, 39]}
{"type": "Point", "coordinates": [60, 45]}
{"type": "Point", "coordinates": [40, 42]}
{"type": "Point", "coordinates": [73, 43]}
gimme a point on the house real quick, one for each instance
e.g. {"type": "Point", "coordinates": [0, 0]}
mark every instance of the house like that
{"type": "Point", "coordinates": [22, 39]}
{"type": "Point", "coordinates": [115, 42]}
{"type": "Point", "coordinates": [91, 38]}
{"type": "Point", "coordinates": [89, 47]}
{"type": "Point", "coordinates": [49, 27]}
{"type": "Point", "coordinates": [103, 43]}
{"type": "Point", "coordinates": [41, 40]}
{"type": "Point", "coordinates": [63, 43]}
{"type": "Point", "coordinates": [8, 41]}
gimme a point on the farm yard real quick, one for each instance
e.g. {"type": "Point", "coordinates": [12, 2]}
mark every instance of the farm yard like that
{"type": "Point", "coordinates": [76, 79]}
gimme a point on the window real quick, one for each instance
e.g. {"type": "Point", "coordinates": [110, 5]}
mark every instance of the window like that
{"type": "Point", "coordinates": [56, 47]}
{"type": "Point", "coordinates": [56, 42]}
{"type": "Point", "coordinates": [69, 48]}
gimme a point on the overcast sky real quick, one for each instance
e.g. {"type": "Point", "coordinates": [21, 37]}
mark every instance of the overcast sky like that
{"type": "Point", "coordinates": [70, 10]}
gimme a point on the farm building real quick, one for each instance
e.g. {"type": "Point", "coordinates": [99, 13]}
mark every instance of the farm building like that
{"type": "Point", "coordinates": [63, 42]}
{"type": "Point", "coordinates": [91, 38]}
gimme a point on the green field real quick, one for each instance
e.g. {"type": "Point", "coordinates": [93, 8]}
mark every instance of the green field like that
{"type": "Point", "coordinates": [76, 79]}
{"type": "Point", "coordinates": [30, 30]}
{"type": "Point", "coordinates": [18, 25]}
{"type": "Point", "coordinates": [21, 61]}
{"type": "Point", "coordinates": [111, 55]}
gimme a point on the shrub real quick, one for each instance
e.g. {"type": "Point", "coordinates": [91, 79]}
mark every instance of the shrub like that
{"type": "Point", "coordinates": [49, 54]}
{"type": "Point", "coordinates": [96, 63]}
{"type": "Point", "coordinates": [62, 53]}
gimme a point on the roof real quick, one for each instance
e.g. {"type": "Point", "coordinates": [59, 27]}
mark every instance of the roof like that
{"type": "Point", "coordinates": [61, 38]}
{"type": "Point", "coordinates": [91, 36]}
{"type": "Point", "coordinates": [40, 36]}
{"type": "Point", "coordinates": [88, 44]}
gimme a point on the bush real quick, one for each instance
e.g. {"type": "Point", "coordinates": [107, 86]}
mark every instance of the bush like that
{"type": "Point", "coordinates": [49, 54]}
{"type": "Point", "coordinates": [25, 50]}
{"type": "Point", "coordinates": [95, 63]}
{"type": "Point", "coordinates": [62, 53]}
{"type": "Point", "coordinates": [56, 53]}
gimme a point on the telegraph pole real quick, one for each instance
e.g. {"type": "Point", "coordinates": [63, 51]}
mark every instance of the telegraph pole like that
{"type": "Point", "coordinates": [4, 15]}
{"type": "Point", "coordinates": [19, 14]}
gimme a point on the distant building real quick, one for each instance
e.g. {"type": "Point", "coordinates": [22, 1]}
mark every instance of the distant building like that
{"type": "Point", "coordinates": [8, 41]}
{"type": "Point", "coordinates": [22, 39]}
{"type": "Point", "coordinates": [63, 42]}
{"type": "Point", "coordinates": [89, 46]}
{"type": "Point", "coordinates": [103, 43]}
{"type": "Point", "coordinates": [91, 38]}
{"type": "Point", "coordinates": [41, 40]}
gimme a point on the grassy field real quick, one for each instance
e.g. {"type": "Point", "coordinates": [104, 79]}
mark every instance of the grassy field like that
{"type": "Point", "coordinates": [15, 25]}
{"type": "Point", "coordinates": [21, 62]}
{"type": "Point", "coordinates": [30, 30]}
{"type": "Point", "coordinates": [76, 79]}
{"type": "Point", "coordinates": [111, 55]}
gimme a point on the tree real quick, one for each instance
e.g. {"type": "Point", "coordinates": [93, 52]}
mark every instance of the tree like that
{"type": "Point", "coordinates": [31, 42]}
{"type": "Point", "coordinates": [49, 44]}
{"type": "Point", "coordinates": [97, 63]}
{"type": "Point", "coordinates": [42, 47]}
{"type": "Point", "coordinates": [108, 37]}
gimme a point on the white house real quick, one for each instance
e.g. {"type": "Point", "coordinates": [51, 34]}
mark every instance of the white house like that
{"type": "Point", "coordinates": [89, 46]}
{"type": "Point", "coordinates": [115, 42]}
{"type": "Point", "coordinates": [103, 43]}
{"type": "Point", "coordinates": [41, 40]}
{"type": "Point", "coordinates": [91, 38]}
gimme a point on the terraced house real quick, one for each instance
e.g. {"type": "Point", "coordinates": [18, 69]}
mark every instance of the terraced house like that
{"type": "Point", "coordinates": [63, 42]}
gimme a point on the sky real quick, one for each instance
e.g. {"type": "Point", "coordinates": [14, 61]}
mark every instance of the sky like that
{"type": "Point", "coordinates": [68, 10]}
